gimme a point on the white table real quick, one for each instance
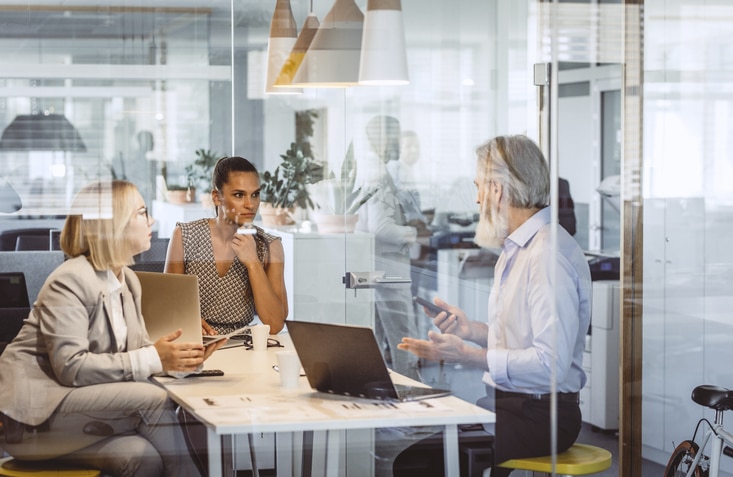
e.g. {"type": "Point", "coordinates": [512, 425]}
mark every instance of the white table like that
{"type": "Point", "coordinates": [248, 400]}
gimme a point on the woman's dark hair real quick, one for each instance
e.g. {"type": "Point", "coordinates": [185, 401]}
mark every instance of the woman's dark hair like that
{"type": "Point", "coordinates": [225, 166]}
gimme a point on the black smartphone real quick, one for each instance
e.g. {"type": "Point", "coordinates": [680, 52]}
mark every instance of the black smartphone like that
{"type": "Point", "coordinates": [432, 307]}
{"type": "Point", "coordinates": [207, 373]}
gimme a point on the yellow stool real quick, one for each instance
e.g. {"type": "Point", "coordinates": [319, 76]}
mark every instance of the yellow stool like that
{"type": "Point", "coordinates": [10, 467]}
{"type": "Point", "coordinates": [580, 459]}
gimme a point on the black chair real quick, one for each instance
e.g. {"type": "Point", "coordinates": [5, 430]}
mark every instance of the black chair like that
{"type": "Point", "coordinates": [32, 242]}
{"type": "Point", "coordinates": [14, 306]}
{"type": "Point", "coordinates": [9, 238]}
{"type": "Point", "coordinates": [153, 259]}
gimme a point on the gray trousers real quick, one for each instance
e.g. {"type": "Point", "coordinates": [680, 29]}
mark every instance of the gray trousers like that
{"type": "Point", "coordinates": [124, 429]}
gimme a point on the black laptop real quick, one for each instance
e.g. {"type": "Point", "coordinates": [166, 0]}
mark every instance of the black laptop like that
{"type": "Point", "coordinates": [345, 360]}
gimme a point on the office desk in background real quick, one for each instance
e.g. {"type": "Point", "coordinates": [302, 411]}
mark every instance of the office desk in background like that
{"type": "Point", "coordinates": [248, 400]}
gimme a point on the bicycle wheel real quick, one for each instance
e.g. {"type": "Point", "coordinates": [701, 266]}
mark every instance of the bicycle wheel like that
{"type": "Point", "coordinates": [681, 459]}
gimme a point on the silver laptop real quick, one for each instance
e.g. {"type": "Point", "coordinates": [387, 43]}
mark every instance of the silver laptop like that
{"type": "Point", "coordinates": [342, 359]}
{"type": "Point", "coordinates": [171, 301]}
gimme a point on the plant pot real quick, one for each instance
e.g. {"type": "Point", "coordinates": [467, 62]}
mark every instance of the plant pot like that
{"type": "Point", "coordinates": [185, 196]}
{"type": "Point", "coordinates": [206, 201]}
{"type": "Point", "coordinates": [335, 224]}
{"type": "Point", "coordinates": [276, 216]}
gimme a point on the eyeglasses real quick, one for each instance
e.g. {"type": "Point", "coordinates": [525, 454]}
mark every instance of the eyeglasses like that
{"type": "Point", "coordinates": [246, 340]}
{"type": "Point", "coordinates": [143, 212]}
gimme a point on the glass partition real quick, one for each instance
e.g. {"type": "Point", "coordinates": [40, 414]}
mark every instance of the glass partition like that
{"type": "Point", "coordinates": [147, 88]}
{"type": "Point", "coordinates": [686, 215]}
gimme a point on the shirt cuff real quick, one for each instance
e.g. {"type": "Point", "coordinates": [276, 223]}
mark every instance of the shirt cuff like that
{"type": "Point", "coordinates": [496, 359]}
{"type": "Point", "coordinates": [145, 362]}
{"type": "Point", "coordinates": [183, 374]}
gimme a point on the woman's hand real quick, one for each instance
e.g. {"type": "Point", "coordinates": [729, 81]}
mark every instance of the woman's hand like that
{"type": "Point", "coordinates": [206, 329]}
{"type": "Point", "coordinates": [453, 321]}
{"type": "Point", "coordinates": [245, 248]}
{"type": "Point", "coordinates": [179, 356]}
{"type": "Point", "coordinates": [209, 349]}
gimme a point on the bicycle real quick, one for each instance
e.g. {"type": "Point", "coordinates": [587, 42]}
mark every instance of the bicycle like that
{"type": "Point", "coordinates": [688, 459]}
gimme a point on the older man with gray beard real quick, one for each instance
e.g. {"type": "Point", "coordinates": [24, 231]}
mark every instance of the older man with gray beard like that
{"type": "Point", "coordinates": [531, 344]}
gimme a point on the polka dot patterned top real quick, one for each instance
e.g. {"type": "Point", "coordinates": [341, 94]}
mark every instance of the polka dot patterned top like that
{"type": "Point", "coordinates": [226, 302]}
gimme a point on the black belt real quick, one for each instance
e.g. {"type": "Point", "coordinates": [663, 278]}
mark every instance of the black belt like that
{"type": "Point", "coordinates": [564, 397]}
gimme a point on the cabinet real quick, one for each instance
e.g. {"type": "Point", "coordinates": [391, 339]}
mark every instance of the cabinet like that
{"type": "Point", "coordinates": [166, 215]}
{"type": "Point", "coordinates": [465, 279]}
{"type": "Point", "coordinates": [315, 264]}
{"type": "Point", "coordinates": [599, 399]}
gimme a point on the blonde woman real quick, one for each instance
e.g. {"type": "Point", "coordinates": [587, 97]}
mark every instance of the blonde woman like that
{"type": "Point", "coordinates": [74, 383]}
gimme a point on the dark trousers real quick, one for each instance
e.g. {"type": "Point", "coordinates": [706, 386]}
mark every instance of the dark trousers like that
{"type": "Point", "coordinates": [522, 430]}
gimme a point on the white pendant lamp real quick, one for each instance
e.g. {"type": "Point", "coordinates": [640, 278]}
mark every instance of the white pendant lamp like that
{"type": "Point", "coordinates": [332, 61]}
{"type": "Point", "coordinates": [383, 54]}
{"type": "Point", "coordinates": [295, 59]}
{"type": "Point", "coordinates": [283, 33]}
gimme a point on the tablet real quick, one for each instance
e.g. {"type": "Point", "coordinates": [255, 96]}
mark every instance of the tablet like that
{"type": "Point", "coordinates": [208, 339]}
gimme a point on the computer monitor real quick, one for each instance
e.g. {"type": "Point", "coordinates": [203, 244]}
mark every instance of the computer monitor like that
{"type": "Point", "coordinates": [13, 290]}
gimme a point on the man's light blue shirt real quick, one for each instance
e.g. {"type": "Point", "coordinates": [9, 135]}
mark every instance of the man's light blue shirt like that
{"type": "Point", "coordinates": [525, 339]}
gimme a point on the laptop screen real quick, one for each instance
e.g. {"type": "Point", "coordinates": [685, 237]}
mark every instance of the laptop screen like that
{"type": "Point", "coordinates": [341, 359]}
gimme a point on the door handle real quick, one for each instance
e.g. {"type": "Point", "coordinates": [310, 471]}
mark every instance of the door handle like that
{"type": "Point", "coordinates": [358, 280]}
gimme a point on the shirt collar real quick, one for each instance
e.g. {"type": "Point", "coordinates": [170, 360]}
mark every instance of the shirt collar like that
{"type": "Point", "coordinates": [114, 285]}
{"type": "Point", "coordinates": [530, 227]}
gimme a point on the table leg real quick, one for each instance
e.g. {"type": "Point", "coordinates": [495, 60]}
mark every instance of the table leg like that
{"type": "Point", "coordinates": [450, 451]}
{"type": "Point", "coordinates": [253, 456]}
{"type": "Point", "coordinates": [213, 442]}
{"type": "Point", "coordinates": [333, 449]}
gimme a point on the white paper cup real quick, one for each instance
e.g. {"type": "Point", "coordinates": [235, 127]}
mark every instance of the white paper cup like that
{"type": "Point", "coordinates": [289, 368]}
{"type": "Point", "coordinates": [259, 337]}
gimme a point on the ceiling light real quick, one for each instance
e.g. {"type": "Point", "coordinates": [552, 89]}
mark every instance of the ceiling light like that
{"type": "Point", "coordinates": [283, 33]}
{"type": "Point", "coordinates": [41, 132]}
{"type": "Point", "coordinates": [383, 54]}
{"type": "Point", "coordinates": [295, 59]}
{"type": "Point", "coordinates": [334, 54]}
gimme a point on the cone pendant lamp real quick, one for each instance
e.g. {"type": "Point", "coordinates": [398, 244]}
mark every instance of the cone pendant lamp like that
{"type": "Point", "coordinates": [295, 59]}
{"type": "Point", "coordinates": [332, 61]}
{"type": "Point", "coordinates": [383, 54]}
{"type": "Point", "coordinates": [283, 33]}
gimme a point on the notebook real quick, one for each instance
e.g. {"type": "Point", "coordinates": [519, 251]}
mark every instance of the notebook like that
{"type": "Point", "coordinates": [171, 301]}
{"type": "Point", "coordinates": [346, 360]}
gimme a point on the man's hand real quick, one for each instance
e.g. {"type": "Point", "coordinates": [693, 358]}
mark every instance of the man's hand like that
{"type": "Point", "coordinates": [440, 347]}
{"type": "Point", "coordinates": [179, 356]}
{"type": "Point", "coordinates": [453, 321]}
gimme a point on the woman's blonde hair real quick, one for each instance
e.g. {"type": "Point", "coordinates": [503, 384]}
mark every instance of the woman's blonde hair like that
{"type": "Point", "coordinates": [95, 226]}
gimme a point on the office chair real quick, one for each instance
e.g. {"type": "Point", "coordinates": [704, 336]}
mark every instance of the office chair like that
{"type": "Point", "coordinates": [9, 238]}
{"type": "Point", "coordinates": [14, 306]}
{"type": "Point", "coordinates": [32, 242]}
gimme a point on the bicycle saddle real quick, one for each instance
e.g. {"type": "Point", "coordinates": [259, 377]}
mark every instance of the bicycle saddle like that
{"type": "Point", "coordinates": [714, 397]}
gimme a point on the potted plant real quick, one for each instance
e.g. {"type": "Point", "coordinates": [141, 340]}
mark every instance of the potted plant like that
{"type": "Point", "coordinates": [286, 187]}
{"type": "Point", "coordinates": [199, 173]}
{"type": "Point", "coordinates": [180, 193]}
{"type": "Point", "coordinates": [337, 200]}
{"type": "Point", "coordinates": [197, 177]}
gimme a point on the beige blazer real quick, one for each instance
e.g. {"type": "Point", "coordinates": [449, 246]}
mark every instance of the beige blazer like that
{"type": "Point", "coordinates": [68, 341]}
